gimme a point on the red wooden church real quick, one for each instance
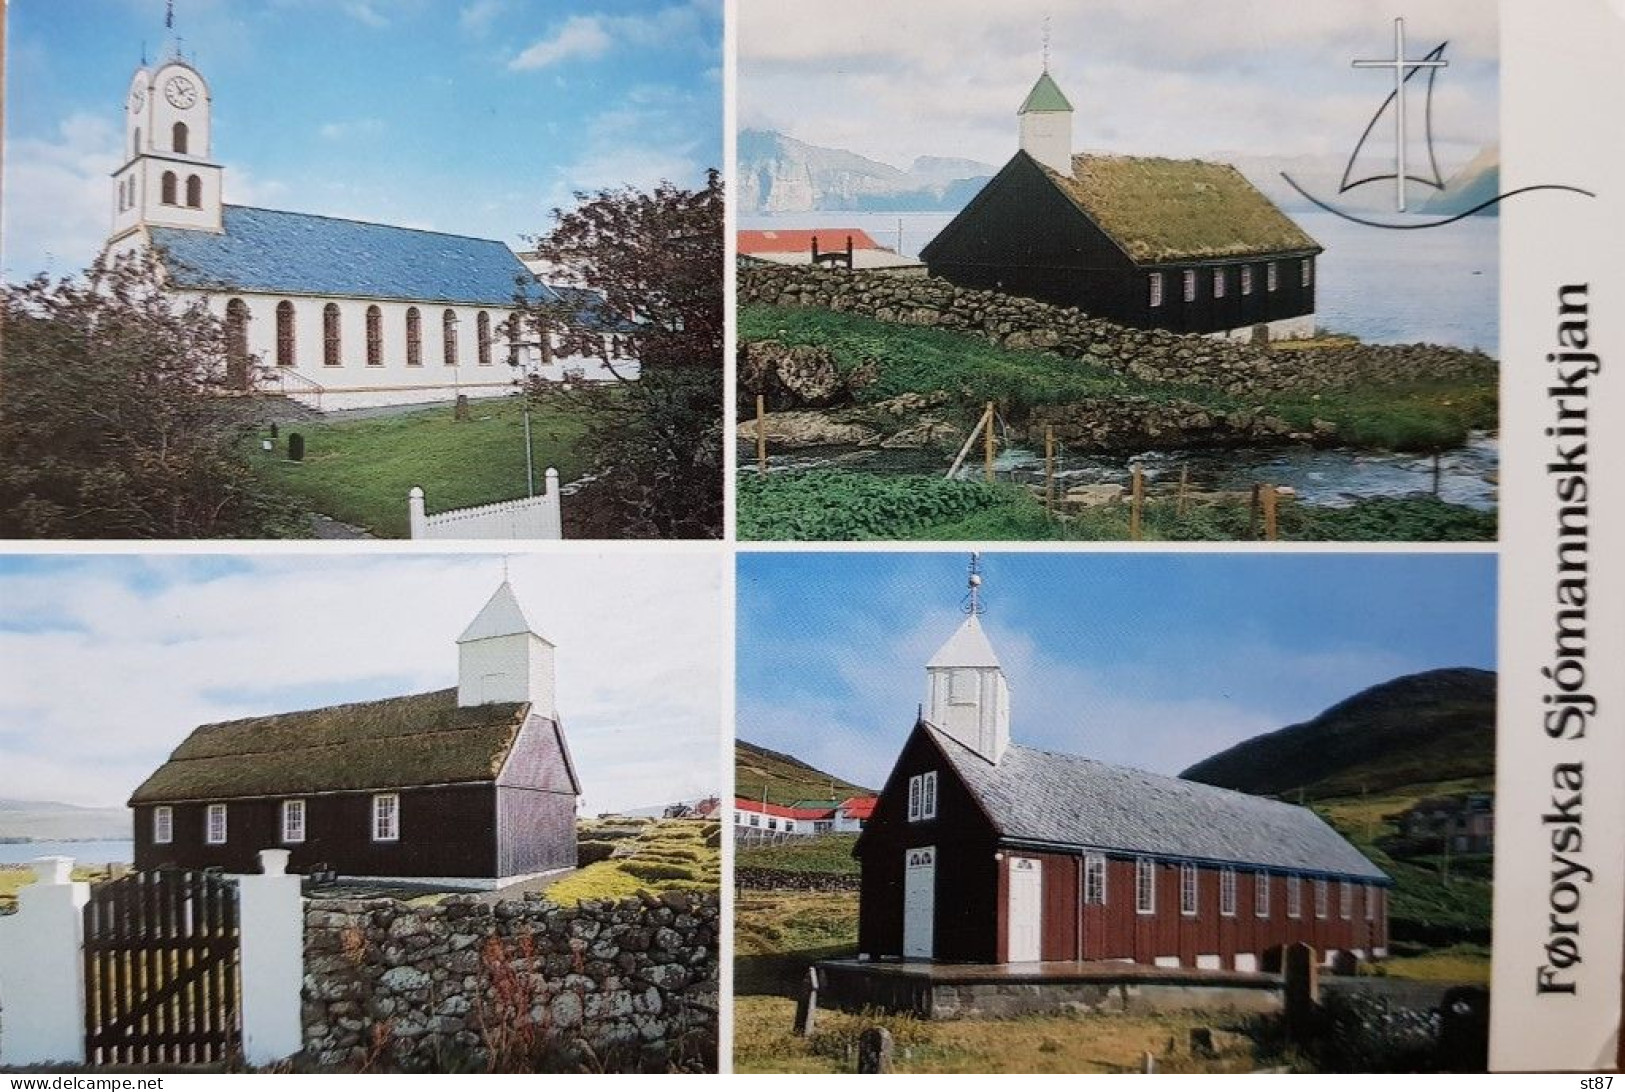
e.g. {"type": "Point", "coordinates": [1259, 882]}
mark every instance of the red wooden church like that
{"type": "Point", "coordinates": [472, 784]}
{"type": "Point", "coordinates": [984, 851]}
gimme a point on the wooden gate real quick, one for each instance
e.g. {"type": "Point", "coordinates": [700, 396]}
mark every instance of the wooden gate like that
{"type": "Point", "coordinates": [161, 969]}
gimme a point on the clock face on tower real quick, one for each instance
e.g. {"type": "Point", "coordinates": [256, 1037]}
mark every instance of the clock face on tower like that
{"type": "Point", "coordinates": [180, 91]}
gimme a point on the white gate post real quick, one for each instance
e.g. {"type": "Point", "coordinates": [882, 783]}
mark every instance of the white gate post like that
{"type": "Point", "coordinates": [42, 969]}
{"type": "Point", "coordinates": [552, 519]}
{"type": "Point", "coordinates": [272, 921]}
{"type": "Point", "coordinates": [416, 516]}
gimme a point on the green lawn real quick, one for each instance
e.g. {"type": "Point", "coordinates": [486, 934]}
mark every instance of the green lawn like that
{"type": "Point", "coordinates": [360, 471]}
{"type": "Point", "coordinates": [665, 855]}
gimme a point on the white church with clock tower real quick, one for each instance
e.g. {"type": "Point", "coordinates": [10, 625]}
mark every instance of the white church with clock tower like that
{"type": "Point", "coordinates": [334, 312]}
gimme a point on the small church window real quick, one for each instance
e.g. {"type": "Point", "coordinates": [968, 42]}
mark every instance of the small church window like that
{"type": "Point", "coordinates": [482, 327]}
{"type": "Point", "coordinates": [293, 821]}
{"type": "Point", "coordinates": [1246, 280]}
{"type": "Point", "coordinates": [448, 330]}
{"type": "Point", "coordinates": [1370, 902]}
{"type": "Point", "coordinates": [964, 689]}
{"type": "Point", "coordinates": [166, 188]}
{"type": "Point", "coordinates": [135, 144]}
{"type": "Point", "coordinates": [1145, 885]}
{"type": "Point", "coordinates": [236, 335]}
{"type": "Point", "coordinates": [1345, 900]}
{"type": "Point", "coordinates": [1294, 896]}
{"type": "Point", "coordinates": [1227, 892]}
{"type": "Point", "coordinates": [1218, 283]}
{"type": "Point", "coordinates": [332, 348]}
{"type": "Point", "coordinates": [1272, 276]}
{"type": "Point", "coordinates": [1156, 290]}
{"type": "Point", "coordinates": [1190, 285]}
{"type": "Point", "coordinates": [178, 138]}
{"type": "Point", "coordinates": [163, 825]}
{"type": "Point", "coordinates": [1321, 898]}
{"type": "Point", "coordinates": [1261, 894]}
{"type": "Point", "coordinates": [1306, 272]}
{"type": "Point", "coordinates": [284, 335]}
{"type": "Point", "coordinates": [513, 331]}
{"type": "Point", "coordinates": [1187, 889]}
{"type": "Point", "coordinates": [386, 817]}
{"type": "Point", "coordinates": [375, 337]}
{"type": "Point", "coordinates": [194, 192]}
{"type": "Point", "coordinates": [1094, 880]}
{"type": "Point", "coordinates": [928, 795]}
{"type": "Point", "coordinates": [414, 337]}
{"type": "Point", "coordinates": [214, 832]}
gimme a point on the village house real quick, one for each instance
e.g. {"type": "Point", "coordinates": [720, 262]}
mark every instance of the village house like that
{"type": "Point", "coordinates": [758, 820]}
{"type": "Point", "coordinates": [337, 313]}
{"type": "Point", "coordinates": [981, 850]}
{"type": "Point", "coordinates": [1171, 244]}
{"type": "Point", "coordinates": [471, 785]}
{"type": "Point", "coordinates": [1455, 824]}
{"type": "Point", "coordinates": [836, 247]}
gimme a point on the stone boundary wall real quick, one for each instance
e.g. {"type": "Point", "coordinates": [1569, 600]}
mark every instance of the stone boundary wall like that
{"type": "Point", "coordinates": [776, 879]}
{"type": "Point", "coordinates": [1153, 356]}
{"type": "Point", "coordinates": [518, 984]}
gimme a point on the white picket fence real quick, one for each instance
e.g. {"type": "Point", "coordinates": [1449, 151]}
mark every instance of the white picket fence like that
{"type": "Point", "coordinates": [529, 517]}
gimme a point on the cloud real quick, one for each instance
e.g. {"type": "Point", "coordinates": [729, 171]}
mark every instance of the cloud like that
{"type": "Point", "coordinates": [581, 36]}
{"type": "Point", "coordinates": [178, 642]}
{"type": "Point", "coordinates": [58, 207]}
{"type": "Point", "coordinates": [477, 18]}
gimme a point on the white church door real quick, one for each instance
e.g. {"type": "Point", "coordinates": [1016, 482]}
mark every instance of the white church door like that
{"type": "Point", "coordinates": [1025, 910]}
{"type": "Point", "coordinates": [919, 901]}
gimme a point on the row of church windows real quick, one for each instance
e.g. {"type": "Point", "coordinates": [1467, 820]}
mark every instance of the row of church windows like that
{"type": "Point", "coordinates": [1221, 281]}
{"type": "Point", "coordinates": [1145, 891]}
{"type": "Point", "coordinates": [332, 336]}
{"type": "Point", "coordinates": [168, 191]}
{"type": "Point", "coordinates": [386, 822]}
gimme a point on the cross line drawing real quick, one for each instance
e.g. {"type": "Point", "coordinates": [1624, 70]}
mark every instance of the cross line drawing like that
{"type": "Point", "coordinates": [1400, 66]}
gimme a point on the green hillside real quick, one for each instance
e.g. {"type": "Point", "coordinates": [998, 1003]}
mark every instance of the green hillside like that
{"type": "Point", "coordinates": [1414, 730]}
{"type": "Point", "coordinates": [786, 779]}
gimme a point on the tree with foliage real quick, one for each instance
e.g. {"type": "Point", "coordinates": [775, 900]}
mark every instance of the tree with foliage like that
{"type": "Point", "coordinates": [112, 423]}
{"type": "Point", "coordinates": [653, 266]}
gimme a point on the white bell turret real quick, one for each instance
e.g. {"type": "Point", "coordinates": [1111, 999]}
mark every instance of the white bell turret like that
{"type": "Point", "coordinates": [968, 697]}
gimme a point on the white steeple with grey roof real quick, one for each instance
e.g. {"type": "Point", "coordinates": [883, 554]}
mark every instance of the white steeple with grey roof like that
{"type": "Point", "coordinates": [501, 657]}
{"type": "Point", "coordinates": [969, 698]}
{"type": "Point", "coordinates": [1046, 125]}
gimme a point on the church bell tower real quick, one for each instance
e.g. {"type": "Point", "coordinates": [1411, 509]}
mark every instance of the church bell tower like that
{"type": "Point", "coordinates": [968, 697]}
{"type": "Point", "coordinates": [500, 658]}
{"type": "Point", "coordinates": [1046, 125]}
{"type": "Point", "coordinates": [167, 178]}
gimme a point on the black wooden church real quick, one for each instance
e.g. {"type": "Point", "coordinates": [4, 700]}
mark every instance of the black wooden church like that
{"type": "Point", "coordinates": [1183, 245]}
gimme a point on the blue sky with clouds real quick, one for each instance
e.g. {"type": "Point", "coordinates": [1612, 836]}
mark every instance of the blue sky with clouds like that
{"type": "Point", "coordinates": [1151, 660]}
{"type": "Point", "coordinates": [470, 116]}
{"type": "Point", "coordinates": [109, 661]}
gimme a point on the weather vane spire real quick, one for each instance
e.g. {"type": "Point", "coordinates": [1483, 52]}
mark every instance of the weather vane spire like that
{"type": "Point", "coordinates": [1046, 42]}
{"type": "Point", "coordinates": [974, 582]}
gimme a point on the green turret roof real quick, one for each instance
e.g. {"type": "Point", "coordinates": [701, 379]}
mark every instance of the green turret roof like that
{"type": "Point", "coordinates": [1045, 97]}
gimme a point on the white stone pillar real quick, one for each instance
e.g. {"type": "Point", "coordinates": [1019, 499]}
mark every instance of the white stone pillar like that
{"type": "Point", "coordinates": [272, 918]}
{"type": "Point", "coordinates": [552, 516]}
{"type": "Point", "coordinates": [42, 974]}
{"type": "Point", "coordinates": [415, 513]}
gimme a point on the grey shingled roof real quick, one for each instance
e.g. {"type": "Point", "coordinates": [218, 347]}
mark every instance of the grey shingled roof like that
{"type": "Point", "coordinates": [1042, 796]}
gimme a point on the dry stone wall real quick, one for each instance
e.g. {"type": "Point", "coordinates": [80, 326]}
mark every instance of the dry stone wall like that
{"type": "Point", "coordinates": [1154, 356]}
{"type": "Point", "coordinates": [521, 983]}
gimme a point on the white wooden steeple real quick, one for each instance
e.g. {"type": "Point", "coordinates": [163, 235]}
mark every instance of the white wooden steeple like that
{"type": "Point", "coordinates": [968, 696]}
{"type": "Point", "coordinates": [501, 658]}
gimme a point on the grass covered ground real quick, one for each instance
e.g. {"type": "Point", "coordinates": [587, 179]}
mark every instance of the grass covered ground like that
{"type": "Point", "coordinates": [14, 879]}
{"type": "Point", "coordinates": [826, 855]}
{"type": "Point", "coordinates": [832, 505]}
{"type": "Point", "coordinates": [651, 855]}
{"type": "Point", "coordinates": [359, 471]}
{"type": "Point", "coordinates": [920, 360]}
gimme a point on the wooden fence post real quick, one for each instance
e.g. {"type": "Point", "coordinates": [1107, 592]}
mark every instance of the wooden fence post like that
{"type": "Point", "coordinates": [1252, 514]}
{"type": "Point", "coordinates": [1267, 499]}
{"type": "Point", "coordinates": [761, 434]}
{"type": "Point", "coordinates": [1136, 502]}
{"type": "Point", "coordinates": [1049, 470]}
{"type": "Point", "coordinates": [807, 1006]}
{"type": "Point", "coordinates": [1184, 486]}
{"type": "Point", "coordinates": [964, 450]}
{"type": "Point", "coordinates": [987, 446]}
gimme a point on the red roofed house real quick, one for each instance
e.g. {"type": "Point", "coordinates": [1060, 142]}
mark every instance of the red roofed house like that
{"type": "Point", "coordinates": [757, 820]}
{"type": "Point", "coordinates": [851, 248]}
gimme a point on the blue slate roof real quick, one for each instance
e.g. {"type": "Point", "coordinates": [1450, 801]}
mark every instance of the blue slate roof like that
{"type": "Point", "coordinates": [263, 250]}
{"type": "Point", "coordinates": [590, 312]}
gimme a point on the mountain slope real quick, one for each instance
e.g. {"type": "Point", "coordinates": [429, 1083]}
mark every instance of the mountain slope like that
{"type": "Point", "coordinates": [1433, 726]}
{"type": "Point", "coordinates": [779, 174]}
{"type": "Point", "coordinates": [44, 820]}
{"type": "Point", "coordinates": [786, 778]}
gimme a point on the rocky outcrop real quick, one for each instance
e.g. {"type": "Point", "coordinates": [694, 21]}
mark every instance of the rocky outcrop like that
{"type": "Point", "coordinates": [1153, 356]}
{"type": "Point", "coordinates": [630, 984]}
{"type": "Point", "coordinates": [805, 428]}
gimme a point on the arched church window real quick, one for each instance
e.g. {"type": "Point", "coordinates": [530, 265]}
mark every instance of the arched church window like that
{"type": "Point", "coordinates": [284, 335]}
{"type": "Point", "coordinates": [483, 328]}
{"type": "Point", "coordinates": [194, 192]}
{"type": "Point", "coordinates": [375, 337]}
{"type": "Point", "coordinates": [332, 350]}
{"type": "Point", "coordinates": [237, 337]}
{"type": "Point", "coordinates": [414, 337]}
{"type": "Point", "coordinates": [178, 138]}
{"type": "Point", "coordinates": [135, 144]}
{"type": "Point", "coordinates": [166, 189]}
{"type": "Point", "coordinates": [448, 333]}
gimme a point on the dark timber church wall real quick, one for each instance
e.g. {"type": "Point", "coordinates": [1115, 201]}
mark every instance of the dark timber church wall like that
{"type": "Point", "coordinates": [1021, 236]}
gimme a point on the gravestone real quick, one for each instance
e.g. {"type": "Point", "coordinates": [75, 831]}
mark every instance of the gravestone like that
{"type": "Point", "coordinates": [874, 1051]}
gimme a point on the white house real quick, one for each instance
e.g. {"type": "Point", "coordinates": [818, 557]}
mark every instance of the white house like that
{"type": "Point", "coordinates": [338, 313]}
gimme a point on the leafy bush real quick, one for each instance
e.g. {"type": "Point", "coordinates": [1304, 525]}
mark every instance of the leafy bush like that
{"type": "Point", "coordinates": [592, 852]}
{"type": "Point", "coordinates": [826, 505]}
